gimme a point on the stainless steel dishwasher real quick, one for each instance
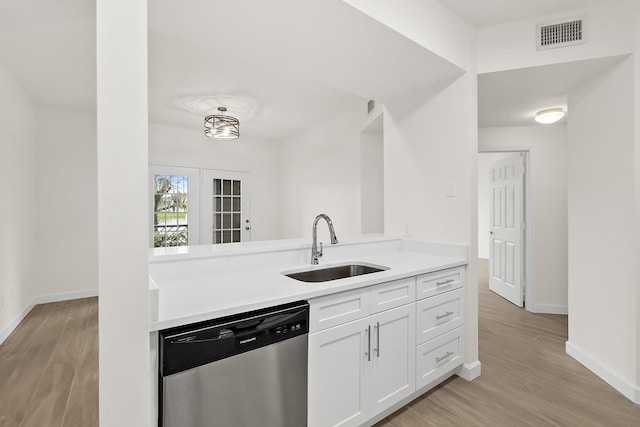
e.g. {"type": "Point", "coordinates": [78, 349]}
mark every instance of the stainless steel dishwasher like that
{"type": "Point", "coordinates": [239, 371]}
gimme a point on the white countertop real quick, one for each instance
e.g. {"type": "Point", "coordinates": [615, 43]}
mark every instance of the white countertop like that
{"type": "Point", "coordinates": [202, 294]}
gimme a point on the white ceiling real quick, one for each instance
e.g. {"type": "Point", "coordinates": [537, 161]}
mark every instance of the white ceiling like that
{"type": "Point", "coordinates": [511, 98]}
{"type": "Point", "coordinates": [49, 47]}
{"type": "Point", "coordinates": [490, 12]}
{"type": "Point", "coordinates": [289, 64]}
{"type": "Point", "coordinates": [298, 62]}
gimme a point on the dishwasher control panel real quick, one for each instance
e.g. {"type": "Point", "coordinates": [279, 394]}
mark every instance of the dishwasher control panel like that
{"type": "Point", "coordinates": [287, 329]}
{"type": "Point", "coordinates": [194, 345]}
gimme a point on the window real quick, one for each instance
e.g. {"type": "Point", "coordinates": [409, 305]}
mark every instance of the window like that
{"type": "Point", "coordinates": [176, 206]}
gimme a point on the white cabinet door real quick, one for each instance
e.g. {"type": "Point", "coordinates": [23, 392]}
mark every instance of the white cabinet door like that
{"type": "Point", "coordinates": [338, 387]}
{"type": "Point", "coordinates": [393, 357]}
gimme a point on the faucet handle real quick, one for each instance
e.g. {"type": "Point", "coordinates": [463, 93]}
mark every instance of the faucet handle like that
{"type": "Point", "coordinates": [320, 250]}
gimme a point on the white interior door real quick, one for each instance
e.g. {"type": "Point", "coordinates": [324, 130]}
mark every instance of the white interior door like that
{"type": "Point", "coordinates": [226, 206]}
{"type": "Point", "coordinates": [506, 224]}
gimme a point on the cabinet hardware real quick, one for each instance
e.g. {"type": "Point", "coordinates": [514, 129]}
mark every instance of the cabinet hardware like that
{"type": "Point", "coordinates": [446, 282]}
{"type": "Point", "coordinates": [440, 359]}
{"type": "Point", "coordinates": [442, 316]}
{"type": "Point", "coordinates": [377, 326]}
{"type": "Point", "coordinates": [368, 352]}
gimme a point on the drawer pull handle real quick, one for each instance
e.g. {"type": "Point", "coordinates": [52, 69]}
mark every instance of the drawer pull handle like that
{"type": "Point", "coordinates": [368, 352]}
{"type": "Point", "coordinates": [442, 316]}
{"type": "Point", "coordinates": [440, 359]}
{"type": "Point", "coordinates": [446, 282]}
{"type": "Point", "coordinates": [377, 327]}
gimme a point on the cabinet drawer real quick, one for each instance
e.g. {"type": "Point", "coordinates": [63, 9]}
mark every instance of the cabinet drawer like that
{"type": "Point", "coordinates": [438, 356]}
{"type": "Point", "coordinates": [439, 314]}
{"type": "Point", "coordinates": [392, 294]}
{"type": "Point", "coordinates": [431, 284]}
{"type": "Point", "coordinates": [333, 310]}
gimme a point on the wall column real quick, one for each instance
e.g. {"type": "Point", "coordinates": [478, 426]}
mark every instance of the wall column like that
{"type": "Point", "coordinates": [125, 392]}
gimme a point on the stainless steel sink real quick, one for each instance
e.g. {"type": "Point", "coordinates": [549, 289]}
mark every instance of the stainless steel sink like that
{"type": "Point", "coordinates": [335, 272]}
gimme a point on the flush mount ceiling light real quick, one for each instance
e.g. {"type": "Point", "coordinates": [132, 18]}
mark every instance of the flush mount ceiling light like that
{"type": "Point", "coordinates": [550, 115]}
{"type": "Point", "coordinates": [219, 126]}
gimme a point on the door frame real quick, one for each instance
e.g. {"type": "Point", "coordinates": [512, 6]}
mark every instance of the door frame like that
{"type": "Point", "coordinates": [529, 258]}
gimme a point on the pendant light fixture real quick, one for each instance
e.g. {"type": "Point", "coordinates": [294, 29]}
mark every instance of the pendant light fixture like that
{"type": "Point", "coordinates": [219, 126]}
{"type": "Point", "coordinates": [550, 115]}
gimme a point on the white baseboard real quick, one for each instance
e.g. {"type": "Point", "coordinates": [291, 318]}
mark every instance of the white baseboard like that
{"type": "Point", "coordinates": [470, 371]}
{"type": "Point", "coordinates": [43, 299]}
{"type": "Point", "coordinates": [550, 309]}
{"type": "Point", "coordinates": [4, 334]}
{"type": "Point", "coordinates": [627, 389]}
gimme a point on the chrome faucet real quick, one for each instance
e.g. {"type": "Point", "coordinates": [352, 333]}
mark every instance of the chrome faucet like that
{"type": "Point", "coordinates": [315, 253]}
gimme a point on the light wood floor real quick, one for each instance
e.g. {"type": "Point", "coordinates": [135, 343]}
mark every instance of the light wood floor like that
{"type": "Point", "coordinates": [527, 379]}
{"type": "Point", "coordinates": [49, 374]}
{"type": "Point", "coordinates": [49, 367]}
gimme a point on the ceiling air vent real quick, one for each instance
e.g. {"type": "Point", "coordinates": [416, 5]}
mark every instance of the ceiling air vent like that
{"type": "Point", "coordinates": [563, 33]}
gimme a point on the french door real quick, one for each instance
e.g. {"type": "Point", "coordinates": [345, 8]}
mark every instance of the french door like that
{"type": "Point", "coordinates": [191, 206]}
{"type": "Point", "coordinates": [175, 206]}
{"type": "Point", "coordinates": [226, 206]}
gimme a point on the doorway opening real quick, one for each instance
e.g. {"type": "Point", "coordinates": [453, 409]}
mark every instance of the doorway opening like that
{"type": "Point", "coordinates": [505, 224]}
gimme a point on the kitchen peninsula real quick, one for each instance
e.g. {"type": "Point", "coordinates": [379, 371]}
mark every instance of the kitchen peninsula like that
{"type": "Point", "coordinates": [405, 322]}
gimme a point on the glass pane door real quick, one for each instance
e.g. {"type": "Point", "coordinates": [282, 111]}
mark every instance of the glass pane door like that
{"type": "Point", "coordinates": [174, 206]}
{"type": "Point", "coordinates": [226, 206]}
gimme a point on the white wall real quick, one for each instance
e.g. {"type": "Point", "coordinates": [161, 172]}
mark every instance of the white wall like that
{"type": "Point", "coordinates": [372, 182]}
{"type": "Point", "coordinates": [67, 219]}
{"type": "Point", "coordinates": [175, 146]}
{"type": "Point", "coordinates": [18, 125]}
{"type": "Point", "coordinates": [603, 282]}
{"type": "Point", "coordinates": [426, 142]}
{"type": "Point", "coordinates": [512, 45]}
{"type": "Point", "coordinates": [430, 175]}
{"type": "Point", "coordinates": [321, 174]}
{"type": "Point", "coordinates": [548, 175]}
